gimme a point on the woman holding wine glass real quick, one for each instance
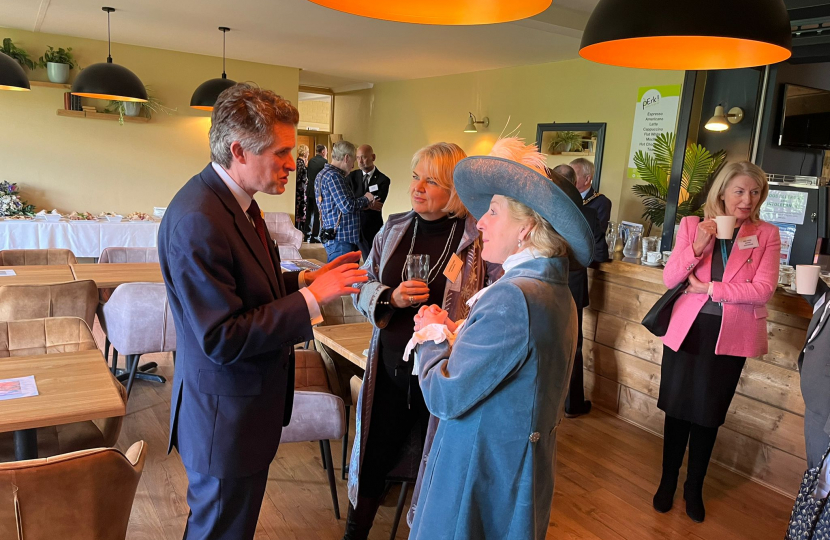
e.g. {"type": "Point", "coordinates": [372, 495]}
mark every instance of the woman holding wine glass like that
{"type": "Point", "coordinates": [429, 255]}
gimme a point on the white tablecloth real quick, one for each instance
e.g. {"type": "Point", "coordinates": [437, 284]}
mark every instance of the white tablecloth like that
{"type": "Point", "coordinates": [84, 238]}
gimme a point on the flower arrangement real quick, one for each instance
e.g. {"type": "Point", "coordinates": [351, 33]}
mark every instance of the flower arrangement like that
{"type": "Point", "coordinates": [10, 203]}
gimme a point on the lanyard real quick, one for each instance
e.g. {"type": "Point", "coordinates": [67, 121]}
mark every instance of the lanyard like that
{"type": "Point", "coordinates": [724, 256]}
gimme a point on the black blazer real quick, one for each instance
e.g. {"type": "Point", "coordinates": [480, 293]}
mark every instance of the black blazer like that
{"type": "Point", "coordinates": [578, 279]}
{"type": "Point", "coordinates": [237, 319]}
{"type": "Point", "coordinates": [370, 220]}
{"type": "Point", "coordinates": [601, 205]}
{"type": "Point", "coordinates": [315, 165]}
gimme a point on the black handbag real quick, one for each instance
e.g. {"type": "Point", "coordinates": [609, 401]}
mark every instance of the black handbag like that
{"type": "Point", "coordinates": [658, 317]}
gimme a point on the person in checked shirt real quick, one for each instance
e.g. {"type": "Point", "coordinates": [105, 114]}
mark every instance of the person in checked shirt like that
{"type": "Point", "coordinates": [339, 208]}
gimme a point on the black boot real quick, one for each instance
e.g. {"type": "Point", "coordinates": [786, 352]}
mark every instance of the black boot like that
{"type": "Point", "coordinates": [359, 520]}
{"type": "Point", "coordinates": [701, 443]}
{"type": "Point", "coordinates": [675, 438]}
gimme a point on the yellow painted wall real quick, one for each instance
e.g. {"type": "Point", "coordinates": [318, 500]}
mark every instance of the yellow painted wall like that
{"type": "Point", "coordinates": [94, 165]}
{"type": "Point", "coordinates": [404, 116]}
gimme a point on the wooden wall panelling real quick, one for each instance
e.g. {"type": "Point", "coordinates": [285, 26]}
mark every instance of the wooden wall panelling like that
{"type": "Point", "coordinates": [603, 393]}
{"type": "Point", "coordinates": [589, 323]}
{"type": "Point", "coordinates": [773, 385]}
{"type": "Point", "coordinates": [629, 337]}
{"type": "Point", "coordinates": [626, 369]}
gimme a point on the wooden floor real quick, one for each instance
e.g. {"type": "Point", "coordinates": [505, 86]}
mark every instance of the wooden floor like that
{"type": "Point", "coordinates": [607, 471]}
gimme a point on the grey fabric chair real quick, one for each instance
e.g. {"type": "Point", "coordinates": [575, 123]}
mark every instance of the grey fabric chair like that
{"type": "Point", "coordinates": [121, 255]}
{"type": "Point", "coordinates": [340, 370]}
{"type": "Point", "coordinates": [137, 321]}
{"type": "Point", "coordinates": [288, 238]}
{"type": "Point", "coordinates": [318, 414]}
{"type": "Point", "coordinates": [23, 257]}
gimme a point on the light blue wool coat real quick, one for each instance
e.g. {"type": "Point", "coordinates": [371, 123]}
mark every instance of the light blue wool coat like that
{"type": "Point", "coordinates": [499, 394]}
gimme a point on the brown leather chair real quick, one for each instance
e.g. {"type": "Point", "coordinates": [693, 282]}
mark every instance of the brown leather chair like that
{"type": "Point", "coordinates": [71, 299]}
{"type": "Point", "coordinates": [49, 336]}
{"type": "Point", "coordinates": [23, 257]}
{"type": "Point", "coordinates": [79, 496]}
{"type": "Point", "coordinates": [340, 371]}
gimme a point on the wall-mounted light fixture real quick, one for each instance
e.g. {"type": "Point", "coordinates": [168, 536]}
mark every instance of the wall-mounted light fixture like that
{"type": "Point", "coordinates": [721, 121]}
{"type": "Point", "coordinates": [205, 96]}
{"type": "Point", "coordinates": [471, 124]}
{"type": "Point", "coordinates": [107, 80]}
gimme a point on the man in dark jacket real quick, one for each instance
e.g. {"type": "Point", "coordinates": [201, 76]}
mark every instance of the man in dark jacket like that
{"type": "Point", "coordinates": [368, 178]}
{"type": "Point", "coordinates": [237, 316]}
{"type": "Point", "coordinates": [575, 402]}
{"type": "Point", "coordinates": [584, 183]}
{"type": "Point", "coordinates": [312, 221]}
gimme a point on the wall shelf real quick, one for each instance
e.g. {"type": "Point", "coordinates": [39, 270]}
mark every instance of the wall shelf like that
{"type": "Point", "coordinates": [101, 116]}
{"type": "Point", "coordinates": [51, 85]}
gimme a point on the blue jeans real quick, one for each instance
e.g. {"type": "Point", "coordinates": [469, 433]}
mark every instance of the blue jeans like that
{"type": "Point", "coordinates": [336, 248]}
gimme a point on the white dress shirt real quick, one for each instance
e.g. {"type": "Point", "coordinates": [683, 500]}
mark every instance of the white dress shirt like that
{"type": "Point", "coordinates": [244, 201]}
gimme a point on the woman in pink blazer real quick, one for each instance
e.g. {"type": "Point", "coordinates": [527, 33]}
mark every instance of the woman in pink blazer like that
{"type": "Point", "coordinates": [720, 319]}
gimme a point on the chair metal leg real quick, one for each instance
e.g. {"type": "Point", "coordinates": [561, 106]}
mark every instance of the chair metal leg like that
{"type": "Point", "coordinates": [399, 510]}
{"type": "Point", "coordinates": [107, 352]}
{"type": "Point", "coordinates": [322, 455]}
{"type": "Point", "coordinates": [115, 361]}
{"type": "Point", "coordinates": [132, 363]}
{"type": "Point", "coordinates": [345, 467]}
{"type": "Point", "coordinates": [25, 444]}
{"type": "Point", "coordinates": [174, 358]}
{"type": "Point", "coordinates": [330, 472]}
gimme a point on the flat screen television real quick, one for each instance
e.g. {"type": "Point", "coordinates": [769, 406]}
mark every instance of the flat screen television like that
{"type": "Point", "coordinates": [805, 117]}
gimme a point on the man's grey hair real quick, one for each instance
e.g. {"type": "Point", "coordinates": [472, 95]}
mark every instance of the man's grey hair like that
{"type": "Point", "coordinates": [247, 114]}
{"type": "Point", "coordinates": [341, 149]}
{"type": "Point", "coordinates": [583, 166]}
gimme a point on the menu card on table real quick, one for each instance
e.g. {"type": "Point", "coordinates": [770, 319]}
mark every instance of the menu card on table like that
{"type": "Point", "coordinates": [18, 387]}
{"type": "Point", "coordinates": [298, 264]}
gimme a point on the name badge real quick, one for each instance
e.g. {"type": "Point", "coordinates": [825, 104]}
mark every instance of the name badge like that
{"type": "Point", "coordinates": [453, 268]}
{"type": "Point", "coordinates": [373, 188]}
{"type": "Point", "coordinates": [748, 242]}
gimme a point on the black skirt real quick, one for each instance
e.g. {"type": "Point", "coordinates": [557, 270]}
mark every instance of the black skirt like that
{"type": "Point", "coordinates": [696, 384]}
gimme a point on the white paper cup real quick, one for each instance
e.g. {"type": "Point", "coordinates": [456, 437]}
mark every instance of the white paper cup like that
{"type": "Point", "coordinates": [726, 226]}
{"type": "Point", "coordinates": [806, 278]}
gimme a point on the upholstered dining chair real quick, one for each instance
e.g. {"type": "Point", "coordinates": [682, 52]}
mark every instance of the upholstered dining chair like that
{"type": "Point", "coordinates": [340, 371]}
{"type": "Point", "coordinates": [137, 320]}
{"type": "Point", "coordinates": [22, 257]}
{"type": "Point", "coordinates": [76, 496]}
{"type": "Point", "coordinates": [50, 336]}
{"type": "Point", "coordinates": [70, 299]}
{"type": "Point", "coordinates": [282, 230]}
{"type": "Point", "coordinates": [318, 414]}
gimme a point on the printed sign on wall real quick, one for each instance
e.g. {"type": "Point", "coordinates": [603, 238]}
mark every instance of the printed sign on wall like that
{"type": "Point", "coordinates": [656, 113]}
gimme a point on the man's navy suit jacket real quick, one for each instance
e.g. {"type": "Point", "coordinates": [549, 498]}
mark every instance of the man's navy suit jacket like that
{"type": "Point", "coordinates": [237, 319]}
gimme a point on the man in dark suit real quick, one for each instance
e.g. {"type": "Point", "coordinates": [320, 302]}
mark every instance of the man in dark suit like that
{"type": "Point", "coordinates": [815, 377]}
{"type": "Point", "coordinates": [368, 178]}
{"type": "Point", "coordinates": [237, 316]}
{"type": "Point", "coordinates": [600, 203]}
{"type": "Point", "coordinates": [575, 402]}
{"type": "Point", "coordinates": [312, 221]}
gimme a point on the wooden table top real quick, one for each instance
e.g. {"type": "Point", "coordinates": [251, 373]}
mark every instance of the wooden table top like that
{"type": "Point", "coordinates": [72, 387]}
{"type": "Point", "coordinates": [109, 276]}
{"type": "Point", "coordinates": [37, 275]}
{"type": "Point", "coordinates": [348, 340]}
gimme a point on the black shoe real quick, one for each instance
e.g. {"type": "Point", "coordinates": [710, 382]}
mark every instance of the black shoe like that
{"type": "Point", "coordinates": [359, 520]}
{"type": "Point", "coordinates": [694, 504]}
{"type": "Point", "coordinates": [585, 409]}
{"type": "Point", "coordinates": [664, 498]}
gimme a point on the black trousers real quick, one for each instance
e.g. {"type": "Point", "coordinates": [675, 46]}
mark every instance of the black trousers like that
{"type": "Point", "coordinates": [397, 409]}
{"type": "Point", "coordinates": [312, 218]}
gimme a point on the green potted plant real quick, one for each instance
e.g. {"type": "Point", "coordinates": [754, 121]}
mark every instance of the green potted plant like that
{"type": "Point", "coordinates": [18, 54]}
{"type": "Point", "coordinates": [58, 63]}
{"type": "Point", "coordinates": [566, 141]}
{"type": "Point", "coordinates": [699, 168]}
{"type": "Point", "coordinates": [128, 108]}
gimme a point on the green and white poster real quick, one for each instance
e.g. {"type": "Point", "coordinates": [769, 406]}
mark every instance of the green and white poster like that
{"type": "Point", "coordinates": [656, 113]}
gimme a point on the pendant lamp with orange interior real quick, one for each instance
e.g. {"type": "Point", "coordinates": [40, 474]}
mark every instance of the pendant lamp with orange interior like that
{"type": "Point", "coordinates": [440, 12]}
{"type": "Point", "coordinates": [206, 94]}
{"type": "Point", "coordinates": [684, 35]}
{"type": "Point", "coordinates": [12, 76]}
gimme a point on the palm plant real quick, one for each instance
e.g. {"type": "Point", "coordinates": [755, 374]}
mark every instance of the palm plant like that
{"type": "Point", "coordinates": [699, 168]}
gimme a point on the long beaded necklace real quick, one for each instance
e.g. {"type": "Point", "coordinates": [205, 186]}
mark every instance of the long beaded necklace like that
{"type": "Point", "coordinates": [441, 260]}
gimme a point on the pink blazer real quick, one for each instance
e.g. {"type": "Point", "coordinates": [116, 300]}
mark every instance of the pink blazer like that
{"type": "Point", "coordinates": [749, 281]}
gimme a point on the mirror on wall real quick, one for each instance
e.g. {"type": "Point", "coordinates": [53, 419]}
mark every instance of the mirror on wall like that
{"type": "Point", "coordinates": [563, 143]}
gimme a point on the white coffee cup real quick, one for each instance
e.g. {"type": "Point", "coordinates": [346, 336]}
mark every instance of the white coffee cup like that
{"type": "Point", "coordinates": [726, 226]}
{"type": "Point", "coordinates": [806, 278]}
{"type": "Point", "coordinates": [666, 255]}
{"type": "Point", "coordinates": [653, 257]}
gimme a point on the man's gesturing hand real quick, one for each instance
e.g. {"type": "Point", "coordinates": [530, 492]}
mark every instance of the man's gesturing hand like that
{"type": "Point", "coordinates": [337, 282]}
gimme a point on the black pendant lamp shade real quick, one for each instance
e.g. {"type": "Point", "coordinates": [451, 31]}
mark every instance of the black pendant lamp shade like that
{"type": "Point", "coordinates": [108, 80]}
{"type": "Point", "coordinates": [205, 96]}
{"type": "Point", "coordinates": [686, 35]}
{"type": "Point", "coordinates": [12, 76]}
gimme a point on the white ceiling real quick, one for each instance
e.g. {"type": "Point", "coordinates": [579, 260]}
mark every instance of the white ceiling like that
{"type": "Point", "coordinates": [333, 49]}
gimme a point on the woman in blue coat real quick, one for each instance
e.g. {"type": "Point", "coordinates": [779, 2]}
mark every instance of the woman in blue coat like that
{"type": "Point", "coordinates": [498, 381]}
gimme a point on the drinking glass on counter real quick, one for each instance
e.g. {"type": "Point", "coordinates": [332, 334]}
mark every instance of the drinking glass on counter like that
{"type": "Point", "coordinates": [786, 273]}
{"type": "Point", "coordinates": [651, 249]}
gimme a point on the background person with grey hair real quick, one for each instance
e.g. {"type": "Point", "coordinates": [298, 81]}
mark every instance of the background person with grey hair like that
{"type": "Point", "coordinates": [584, 183]}
{"type": "Point", "coordinates": [237, 316]}
{"type": "Point", "coordinates": [339, 208]}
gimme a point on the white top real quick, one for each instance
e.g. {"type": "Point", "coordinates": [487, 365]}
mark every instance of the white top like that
{"type": "Point", "coordinates": [244, 201]}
